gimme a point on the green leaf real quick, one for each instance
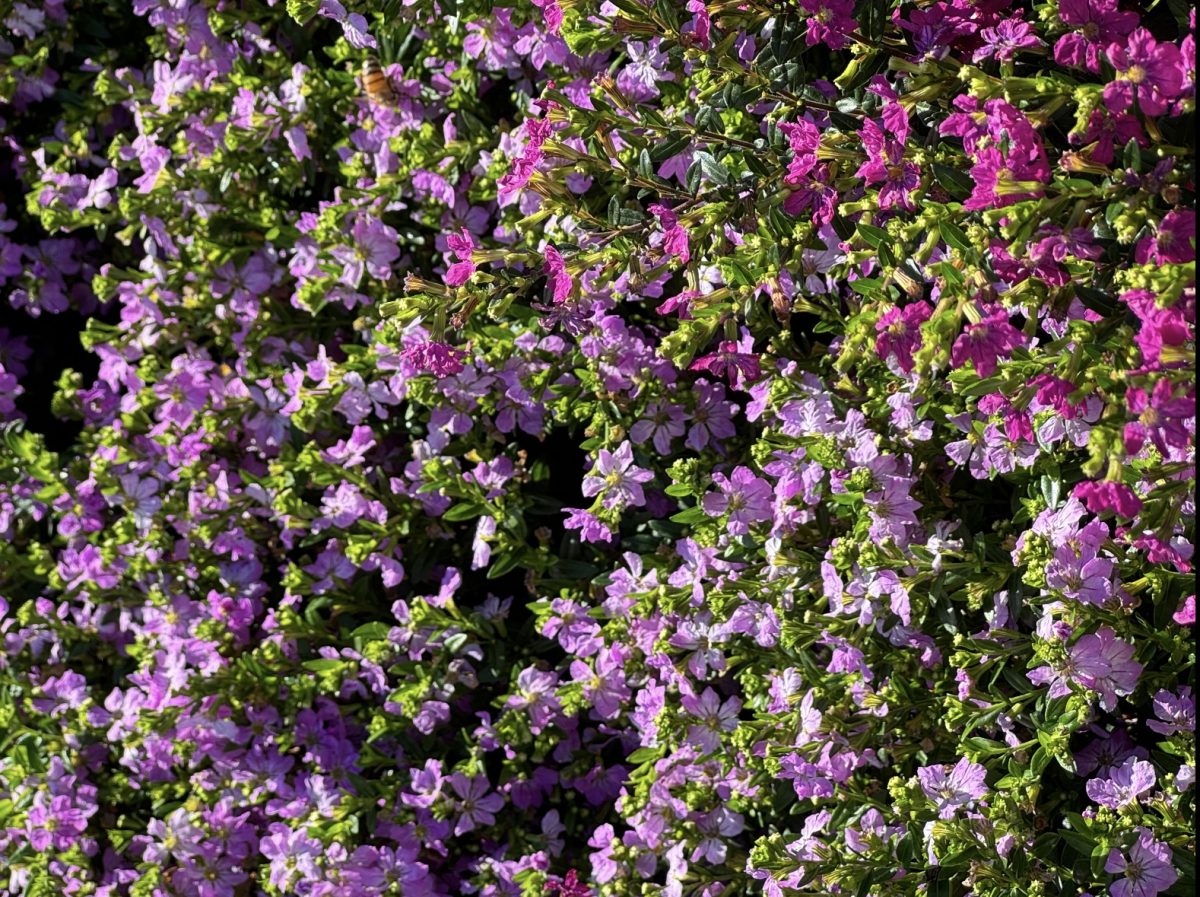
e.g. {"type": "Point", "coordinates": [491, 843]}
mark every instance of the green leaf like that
{"type": "Point", "coordinates": [712, 169]}
{"type": "Point", "coordinates": [954, 236]}
{"type": "Point", "coordinates": [874, 236]}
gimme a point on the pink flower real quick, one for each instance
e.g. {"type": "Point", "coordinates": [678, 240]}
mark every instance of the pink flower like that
{"type": "Point", "coordinates": [462, 245]}
{"type": "Point", "coordinates": [675, 238]}
{"type": "Point", "coordinates": [1096, 25]}
{"type": "Point", "coordinates": [558, 281]}
{"type": "Point", "coordinates": [438, 358]}
{"type": "Point", "coordinates": [985, 342]}
{"type": "Point", "coordinates": [900, 333]}
{"type": "Point", "coordinates": [1147, 71]}
{"type": "Point", "coordinates": [1003, 41]}
{"type": "Point", "coordinates": [1105, 495]}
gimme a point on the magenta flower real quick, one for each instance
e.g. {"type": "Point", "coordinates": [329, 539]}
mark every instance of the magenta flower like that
{"type": "Point", "coordinates": [1173, 242]}
{"type": "Point", "coordinates": [462, 245]}
{"type": "Point", "coordinates": [1145, 871]}
{"type": "Point", "coordinates": [804, 140]}
{"type": "Point", "coordinates": [616, 476]}
{"type": "Point", "coordinates": [728, 361]}
{"type": "Point", "coordinates": [886, 165]}
{"type": "Point", "coordinates": [1148, 72]}
{"type": "Point", "coordinates": [829, 21]}
{"type": "Point", "coordinates": [1186, 615]}
{"type": "Point", "coordinates": [954, 788]}
{"type": "Point", "coordinates": [815, 196]}
{"type": "Point", "coordinates": [437, 358]}
{"type": "Point", "coordinates": [1160, 419]}
{"type": "Point", "coordinates": [900, 333]}
{"type": "Point", "coordinates": [983, 344]}
{"type": "Point", "coordinates": [746, 498]}
{"type": "Point", "coordinates": [1105, 495]}
{"type": "Point", "coordinates": [1093, 26]}
{"type": "Point", "coordinates": [558, 281]}
{"type": "Point", "coordinates": [675, 238]}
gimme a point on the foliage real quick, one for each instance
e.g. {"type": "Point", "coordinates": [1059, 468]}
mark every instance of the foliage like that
{"type": "Point", "coordinates": [615, 448]}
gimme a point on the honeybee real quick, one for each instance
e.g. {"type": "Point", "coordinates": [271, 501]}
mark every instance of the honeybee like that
{"type": "Point", "coordinates": [376, 84]}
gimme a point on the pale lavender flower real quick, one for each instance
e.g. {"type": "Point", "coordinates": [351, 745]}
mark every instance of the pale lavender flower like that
{"type": "Point", "coordinates": [615, 475]}
{"type": "Point", "coordinates": [1124, 785]}
{"type": "Point", "coordinates": [953, 788]}
{"type": "Point", "coordinates": [746, 498]}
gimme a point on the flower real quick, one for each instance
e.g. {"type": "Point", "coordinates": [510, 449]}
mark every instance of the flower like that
{"type": "Point", "coordinates": [1105, 664]}
{"type": "Point", "coordinates": [953, 788]}
{"type": "Point", "coordinates": [983, 344]}
{"type": "Point", "coordinates": [1145, 871]}
{"type": "Point", "coordinates": [1004, 40]}
{"type": "Point", "coordinates": [1105, 495]}
{"type": "Point", "coordinates": [1148, 72]}
{"type": "Point", "coordinates": [462, 245]}
{"type": "Point", "coordinates": [1124, 785]}
{"type": "Point", "coordinates": [616, 476]}
{"type": "Point", "coordinates": [1093, 26]}
{"type": "Point", "coordinates": [744, 497]}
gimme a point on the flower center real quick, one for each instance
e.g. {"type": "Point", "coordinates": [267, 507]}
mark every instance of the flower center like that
{"type": "Point", "coordinates": [1136, 74]}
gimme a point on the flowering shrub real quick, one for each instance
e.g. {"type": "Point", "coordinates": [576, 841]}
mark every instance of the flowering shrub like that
{"type": "Point", "coordinates": [610, 448]}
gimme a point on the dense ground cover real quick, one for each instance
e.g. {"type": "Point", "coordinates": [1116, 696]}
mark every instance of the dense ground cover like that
{"type": "Point", "coordinates": [621, 448]}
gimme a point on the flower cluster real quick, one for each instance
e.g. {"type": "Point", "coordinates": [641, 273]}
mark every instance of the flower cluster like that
{"type": "Point", "coordinates": [597, 449]}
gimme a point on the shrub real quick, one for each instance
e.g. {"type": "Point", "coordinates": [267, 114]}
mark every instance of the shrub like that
{"type": "Point", "coordinates": [612, 448]}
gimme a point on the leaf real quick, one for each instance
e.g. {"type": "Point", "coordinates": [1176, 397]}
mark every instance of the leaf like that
{"type": "Point", "coordinates": [302, 10]}
{"type": "Point", "coordinates": [954, 236]}
{"type": "Point", "coordinates": [957, 183]}
{"type": "Point", "coordinates": [464, 512]}
{"type": "Point", "coordinates": [873, 236]}
{"type": "Point", "coordinates": [323, 665]}
{"type": "Point", "coordinates": [712, 169]}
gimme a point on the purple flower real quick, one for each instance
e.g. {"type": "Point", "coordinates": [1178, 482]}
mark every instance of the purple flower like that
{"type": "Point", "coordinates": [746, 498]}
{"type": "Point", "coordinates": [1003, 41]}
{"type": "Point", "coordinates": [1103, 663]}
{"type": "Point", "coordinates": [715, 717]}
{"type": "Point", "coordinates": [661, 422]}
{"type": "Point", "coordinates": [1176, 712]}
{"type": "Point", "coordinates": [953, 788]}
{"type": "Point", "coordinates": [1145, 872]}
{"type": "Point", "coordinates": [1124, 785]}
{"type": "Point", "coordinates": [639, 78]}
{"type": "Point", "coordinates": [474, 805]}
{"type": "Point", "coordinates": [616, 476]}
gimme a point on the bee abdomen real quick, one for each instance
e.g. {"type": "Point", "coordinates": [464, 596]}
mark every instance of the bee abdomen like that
{"type": "Point", "coordinates": [376, 84]}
